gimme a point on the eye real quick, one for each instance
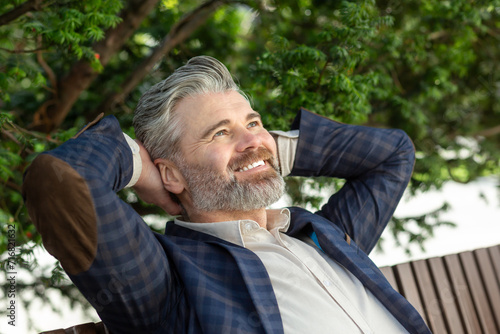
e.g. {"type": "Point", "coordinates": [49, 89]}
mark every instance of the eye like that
{"type": "Point", "coordinates": [220, 133]}
{"type": "Point", "coordinates": [253, 124]}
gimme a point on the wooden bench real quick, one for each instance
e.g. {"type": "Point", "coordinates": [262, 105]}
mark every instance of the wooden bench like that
{"type": "Point", "coordinates": [458, 293]}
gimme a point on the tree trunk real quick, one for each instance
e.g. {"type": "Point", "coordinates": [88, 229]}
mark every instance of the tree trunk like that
{"type": "Point", "coordinates": [50, 116]}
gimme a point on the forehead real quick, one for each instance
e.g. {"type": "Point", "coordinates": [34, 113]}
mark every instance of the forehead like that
{"type": "Point", "coordinates": [202, 111]}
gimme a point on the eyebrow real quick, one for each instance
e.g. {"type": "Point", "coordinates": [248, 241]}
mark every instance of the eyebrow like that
{"type": "Point", "coordinates": [223, 122]}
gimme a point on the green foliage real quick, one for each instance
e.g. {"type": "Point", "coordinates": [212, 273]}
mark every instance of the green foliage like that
{"type": "Point", "coordinates": [320, 75]}
{"type": "Point", "coordinates": [428, 67]}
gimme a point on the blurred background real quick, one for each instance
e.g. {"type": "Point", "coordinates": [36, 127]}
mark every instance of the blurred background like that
{"type": "Point", "coordinates": [428, 67]}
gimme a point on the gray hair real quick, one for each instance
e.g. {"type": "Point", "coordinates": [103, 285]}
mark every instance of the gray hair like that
{"type": "Point", "coordinates": [155, 122]}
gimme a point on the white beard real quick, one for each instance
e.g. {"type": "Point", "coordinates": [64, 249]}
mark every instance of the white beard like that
{"type": "Point", "coordinates": [213, 191]}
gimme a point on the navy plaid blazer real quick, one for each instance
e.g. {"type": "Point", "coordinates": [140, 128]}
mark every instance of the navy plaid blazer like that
{"type": "Point", "coordinates": [190, 282]}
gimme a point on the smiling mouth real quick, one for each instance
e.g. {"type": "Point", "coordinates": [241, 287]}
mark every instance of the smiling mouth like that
{"type": "Point", "coordinates": [251, 166]}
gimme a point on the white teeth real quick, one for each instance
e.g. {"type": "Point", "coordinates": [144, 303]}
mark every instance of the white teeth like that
{"type": "Point", "coordinates": [255, 164]}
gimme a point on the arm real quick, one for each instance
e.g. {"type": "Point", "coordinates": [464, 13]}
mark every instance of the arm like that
{"type": "Point", "coordinates": [376, 163]}
{"type": "Point", "coordinates": [106, 248]}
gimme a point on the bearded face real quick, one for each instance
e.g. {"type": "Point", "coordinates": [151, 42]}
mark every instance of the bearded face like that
{"type": "Point", "coordinates": [226, 158]}
{"type": "Point", "coordinates": [212, 190]}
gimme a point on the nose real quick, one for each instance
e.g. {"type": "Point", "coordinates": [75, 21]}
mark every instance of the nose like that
{"type": "Point", "coordinates": [248, 140]}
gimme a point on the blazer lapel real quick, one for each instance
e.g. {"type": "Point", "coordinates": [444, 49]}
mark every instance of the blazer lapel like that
{"type": "Point", "coordinates": [333, 242]}
{"type": "Point", "coordinates": [233, 275]}
{"type": "Point", "coordinates": [259, 287]}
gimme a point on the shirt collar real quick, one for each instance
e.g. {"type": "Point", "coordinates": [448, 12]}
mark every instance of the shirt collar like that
{"type": "Point", "coordinates": [232, 231]}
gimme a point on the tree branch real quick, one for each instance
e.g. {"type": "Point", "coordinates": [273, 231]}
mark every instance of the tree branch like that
{"type": "Point", "coordinates": [30, 133]}
{"type": "Point", "coordinates": [40, 116]}
{"type": "Point", "coordinates": [23, 51]}
{"type": "Point", "coordinates": [46, 67]}
{"type": "Point", "coordinates": [22, 9]}
{"type": "Point", "coordinates": [395, 78]}
{"type": "Point", "coordinates": [177, 34]}
{"type": "Point", "coordinates": [318, 85]}
{"type": "Point", "coordinates": [14, 186]}
{"type": "Point", "coordinates": [489, 132]}
{"type": "Point", "coordinates": [82, 74]}
{"type": "Point", "coordinates": [437, 35]}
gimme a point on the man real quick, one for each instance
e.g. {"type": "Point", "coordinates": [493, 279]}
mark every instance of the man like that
{"type": "Point", "coordinates": [227, 265]}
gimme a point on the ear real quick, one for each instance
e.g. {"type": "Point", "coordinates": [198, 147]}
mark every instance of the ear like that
{"type": "Point", "coordinates": [172, 179]}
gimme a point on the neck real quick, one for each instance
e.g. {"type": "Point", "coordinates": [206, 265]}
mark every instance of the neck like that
{"type": "Point", "coordinates": [258, 216]}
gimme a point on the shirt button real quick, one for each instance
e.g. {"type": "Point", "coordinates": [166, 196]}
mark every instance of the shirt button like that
{"type": "Point", "coordinates": [249, 226]}
{"type": "Point", "coordinates": [326, 282]}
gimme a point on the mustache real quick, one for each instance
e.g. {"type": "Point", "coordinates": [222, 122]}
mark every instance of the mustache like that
{"type": "Point", "coordinates": [245, 159]}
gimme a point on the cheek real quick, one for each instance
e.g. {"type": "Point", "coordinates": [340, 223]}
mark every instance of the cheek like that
{"type": "Point", "coordinates": [270, 143]}
{"type": "Point", "coordinates": [218, 159]}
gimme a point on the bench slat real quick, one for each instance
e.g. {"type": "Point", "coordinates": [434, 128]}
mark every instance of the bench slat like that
{"type": "Point", "coordinates": [462, 294]}
{"type": "Point", "coordinates": [408, 285]}
{"type": "Point", "coordinates": [490, 283]}
{"type": "Point", "coordinates": [495, 258]}
{"type": "Point", "coordinates": [446, 296]}
{"type": "Point", "coordinates": [428, 296]}
{"type": "Point", "coordinates": [478, 293]}
{"type": "Point", "coordinates": [389, 274]}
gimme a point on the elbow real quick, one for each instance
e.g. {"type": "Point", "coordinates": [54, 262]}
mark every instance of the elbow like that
{"type": "Point", "coordinates": [60, 206]}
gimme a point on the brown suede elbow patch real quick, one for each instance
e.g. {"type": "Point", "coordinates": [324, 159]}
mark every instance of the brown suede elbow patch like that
{"type": "Point", "coordinates": [59, 204]}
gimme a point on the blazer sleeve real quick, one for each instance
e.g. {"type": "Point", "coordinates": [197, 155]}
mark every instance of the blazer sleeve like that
{"type": "Point", "coordinates": [376, 164]}
{"type": "Point", "coordinates": [108, 251]}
